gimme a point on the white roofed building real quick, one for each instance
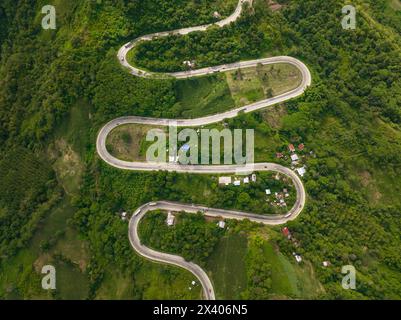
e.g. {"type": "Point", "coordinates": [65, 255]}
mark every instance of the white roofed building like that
{"type": "Point", "coordinates": [225, 180]}
{"type": "Point", "coordinates": [301, 171]}
{"type": "Point", "coordinates": [216, 15]}
{"type": "Point", "coordinates": [170, 219]}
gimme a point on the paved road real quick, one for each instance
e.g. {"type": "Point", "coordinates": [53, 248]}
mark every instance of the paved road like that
{"type": "Point", "coordinates": [208, 290]}
{"type": "Point", "coordinates": [122, 53]}
{"type": "Point", "coordinates": [292, 214]}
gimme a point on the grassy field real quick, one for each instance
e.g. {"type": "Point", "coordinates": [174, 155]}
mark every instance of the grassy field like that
{"type": "Point", "coordinates": [74, 128]}
{"type": "Point", "coordinates": [284, 279]}
{"type": "Point", "coordinates": [308, 284]}
{"type": "Point", "coordinates": [257, 83]}
{"type": "Point", "coordinates": [71, 282]}
{"type": "Point", "coordinates": [213, 94]}
{"type": "Point", "coordinates": [289, 279]}
{"type": "Point", "coordinates": [174, 281]}
{"type": "Point", "coordinates": [128, 142]}
{"type": "Point", "coordinates": [245, 86]}
{"type": "Point", "coordinates": [395, 4]}
{"type": "Point", "coordinates": [116, 286]}
{"type": "Point", "coordinates": [238, 252]}
{"type": "Point", "coordinates": [201, 96]}
{"type": "Point", "coordinates": [226, 267]}
{"type": "Point", "coordinates": [151, 277]}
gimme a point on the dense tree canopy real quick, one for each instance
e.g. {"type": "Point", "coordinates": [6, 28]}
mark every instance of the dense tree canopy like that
{"type": "Point", "coordinates": [350, 118]}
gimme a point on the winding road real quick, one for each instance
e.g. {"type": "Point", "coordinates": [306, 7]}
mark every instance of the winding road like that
{"type": "Point", "coordinates": [292, 214]}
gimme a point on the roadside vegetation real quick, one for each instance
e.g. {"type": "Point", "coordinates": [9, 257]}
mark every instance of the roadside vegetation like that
{"type": "Point", "coordinates": [46, 132]}
{"type": "Point", "coordinates": [129, 143]}
{"type": "Point", "coordinates": [264, 81]}
{"type": "Point", "coordinates": [197, 97]}
{"type": "Point", "coordinates": [230, 43]}
{"type": "Point", "coordinates": [350, 118]}
{"type": "Point", "coordinates": [158, 15]}
{"type": "Point", "coordinates": [208, 95]}
{"type": "Point", "coordinates": [243, 260]}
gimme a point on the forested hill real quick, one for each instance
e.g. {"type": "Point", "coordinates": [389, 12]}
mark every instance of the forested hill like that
{"type": "Point", "coordinates": [3, 25]}
{"type": "Point", "coordinates": [58, 87]}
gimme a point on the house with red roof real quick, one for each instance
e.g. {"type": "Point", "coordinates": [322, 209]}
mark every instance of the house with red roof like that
{"type": "Point", "coordinates": [286, 232]}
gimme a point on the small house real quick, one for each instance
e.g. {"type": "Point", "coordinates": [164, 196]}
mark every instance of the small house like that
{"type": "Point", "coordinates": [286, 232]}
{"type": "Point", "coordinates": [294, 157]}
{"type": "Point", "coordinates": [301, 171]}
{"type": "Point", "coordinates": [216, 15]}
{"type": "Point", "coordinates": [298, 258]}
{"type": "Point", "coordinates": [189, 64]}
{"type": "Point", "coordinates": [225, 180]}
{"type": "Point", "coordinates": [291, 147]}
{"type": "Point", "coordinates": [170, 219]}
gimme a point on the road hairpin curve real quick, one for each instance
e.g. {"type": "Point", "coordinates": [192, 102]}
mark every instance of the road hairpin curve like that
{"type": "Point", "coordinates": [292, 214]}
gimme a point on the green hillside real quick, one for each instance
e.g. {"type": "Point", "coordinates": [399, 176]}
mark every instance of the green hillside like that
{"type": "Point", "coordinates": [60, 204]}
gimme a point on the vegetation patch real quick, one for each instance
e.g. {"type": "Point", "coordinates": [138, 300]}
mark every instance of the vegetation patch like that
{"type": "Point", "coordinates": [25, 186]}
{"type": "Point", "coordinates": [261, 82]}
{"type": "Point", "coordinates": [186, 237]}
{"type": "Point", "coordinates": [178, 283]}
{"type": "Point", "coordinates": [227, 268]}
{"type": "Point", "coordinates": [395, 4]}
{"type": "Point", "coordinates": [202, 96]}
{"type": "Point", "coordinates": [341, 118]}
{"type": "Point", "coordinates": [128, 142]}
